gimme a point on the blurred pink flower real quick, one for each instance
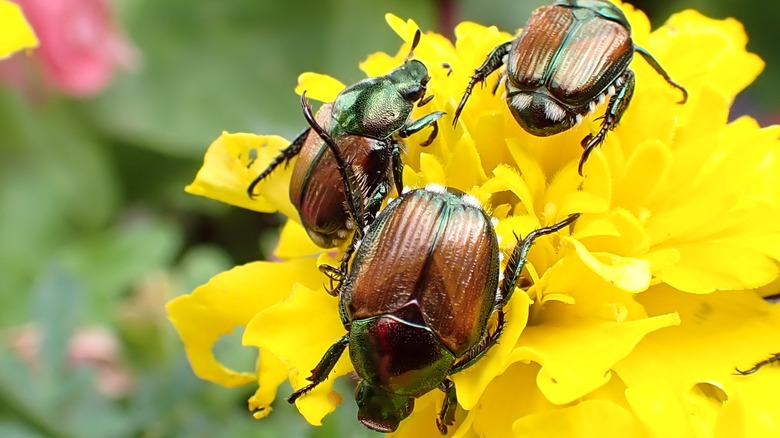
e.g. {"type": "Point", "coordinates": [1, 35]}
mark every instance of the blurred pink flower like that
{"type": "Point", "coordinates": [95, 347]}
{"type": "Point", "coordinates": [80, 45]}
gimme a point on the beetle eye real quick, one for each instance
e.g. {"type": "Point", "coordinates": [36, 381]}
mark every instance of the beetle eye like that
{"type": "Point", "coordinates": [414, 93]}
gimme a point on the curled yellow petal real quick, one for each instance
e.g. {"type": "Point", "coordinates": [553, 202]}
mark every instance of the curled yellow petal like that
{"type": "Point", "coordinates": [271, 372]}
{"type": "Point", "coordinates": [231, 300]}
{"type": "Point", "coordinates": [299, 331]}
{"type": "Point", "coordinates": [576, 356]}
{"type": "Point", "coordinates": [233, 161]}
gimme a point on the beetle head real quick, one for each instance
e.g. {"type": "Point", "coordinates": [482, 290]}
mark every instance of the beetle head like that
{"type": "Point", "coordinates": [410, 79]}
{"type": "Point", "coordinates": [381, 410]}
{"type": "Point", "coordinates": [539, 114]}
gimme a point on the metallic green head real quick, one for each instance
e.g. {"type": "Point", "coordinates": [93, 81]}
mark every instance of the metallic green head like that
{"type": "Point", "coordinates": [410, 80]}
{"type": "Point", "coordinates": [380, 410]}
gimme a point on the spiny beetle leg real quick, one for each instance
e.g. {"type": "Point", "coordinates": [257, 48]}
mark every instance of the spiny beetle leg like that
{"type": "Point", "coordinates": [447, 413]}
{"type": "Point", "coordinates": [475, 353]}
{"type": "Point", "coordinates": [285, 156]}
{"type": "Point", "coordinates": [775, 358]}
{"type": "Point", "coordinates": [494, 60]}
{"type": "Point", "coordinates": [516, 261]}
{"type": "Point", "coordinates": [323, 369]}
{"type": "Point", "coordinates": [334, 276]}
{"type": "Point", "coordinates": [417, 125]}
{"type": "Point", "coordinates": [617, 105]}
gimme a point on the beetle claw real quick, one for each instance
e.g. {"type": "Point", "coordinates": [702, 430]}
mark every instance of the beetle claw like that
{"type": "Point", "coordinates": [441, 426]}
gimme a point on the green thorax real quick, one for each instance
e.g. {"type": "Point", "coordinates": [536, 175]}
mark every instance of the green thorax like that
{"type": "Point", "coordinates": [379, 107]}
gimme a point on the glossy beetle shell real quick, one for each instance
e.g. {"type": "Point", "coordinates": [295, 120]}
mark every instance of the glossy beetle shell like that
{"type": "Point", "coordinates": [378, 107]}
{"type": "Point", "coordinates": [430, 258]}
{"type": "Point", "coordinates": [564, 59]}
{"type": "Point", "coordinates": [316, 188]}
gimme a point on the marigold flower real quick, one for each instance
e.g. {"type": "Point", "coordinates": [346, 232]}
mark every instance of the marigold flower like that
{"type": "Point", "coordinates": [16, 34]}
{"type": "Point", "coordinates": [633, 324]}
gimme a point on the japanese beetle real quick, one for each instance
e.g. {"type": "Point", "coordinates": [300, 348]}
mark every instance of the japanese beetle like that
{"type": "Point", "coordinates": [367, 121]}
{"type": "Point", "coordinates": [569, 57]}
{"type": "Point", "coordinates": [774, 358]}
{"type": "Point", "coordinates": [418, 298]}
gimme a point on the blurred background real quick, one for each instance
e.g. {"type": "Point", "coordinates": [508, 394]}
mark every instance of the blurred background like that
{"type": "Point", "coordinates": [101, 129]}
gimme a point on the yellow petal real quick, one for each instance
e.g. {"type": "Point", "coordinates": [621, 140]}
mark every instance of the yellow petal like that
{"type": "Point", "coordinates": [227, 301]}
{"type": "Point", "coordinates": [233, 161]}
{"type": "Point", "coordinates": [510, 396]}
{"type": "Point", "coordinates": [298, 331]}
{"type": "Point", "coordinates": [706, 50]}
{"type": "Point", "coordinates": [295, 242]}
{"type": "Point", "coordinates": [431, 170]}
{"type": "Point", "coordinates": [319, 87]}
{"type": "Point", "coordinates": [620, 233]}
{"type": "Point", "coordinates": [271, 372]}
{"type": "Point", "coordinates": [719, 332]}
{"type": "Point", "coordinates": [465, 162]}
{"type": "Point", "coordinates": [708, 267]}
{"type": "Point", "coordinates": [649, 164]}
{"type": "Point", "coordinates": [662, 410]}
{"type": "Point", "coordinates": [404, 29]}
{"type": "Point", "coordinates": [16, 32]}
{"type": "Point", "coordinates": [590, 418]}
{"type": "Point", "coordinates": [576, 355]}
{"type": "Point", "coordinates": [629, 274]}
{"type": "Point", "coordinates": [515, 184]}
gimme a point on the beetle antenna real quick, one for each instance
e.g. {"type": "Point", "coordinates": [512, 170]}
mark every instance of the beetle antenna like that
{"type": "Point", "coordinates": [415, 42]}
{"type": "Point", "coordinates": [351, 186]}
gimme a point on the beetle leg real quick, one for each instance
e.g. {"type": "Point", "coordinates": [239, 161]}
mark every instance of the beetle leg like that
{"type": "Point", "coordinates": [422, 122]}
{"type": "Point", "coordinates": [285, 156]}
{"type": "Point", "coordinates": [615, 108]}
{"type": "Point", "coordinates": [335, 276]}
{"type": "Point", "coordinates": [397, 167]}
{"type": "Point", "coordinates": [476, 352]}
{"type": "Point", "coordinates": [516, 261]}
{"type": "Point", "coordinates": [494, 60]}
{"type": "Point", "coordinates": [372, 207]}
{"type": "Point", "coordinates": [660, 70]}
{"type": "Point", "coordinates": [351, 185]}
{"type": "Point", "coordinates": [775, 358]}
{"type": "Point", "coordinates": [323, 369]}
{"type": "Point", "coordinates": [447, 413]}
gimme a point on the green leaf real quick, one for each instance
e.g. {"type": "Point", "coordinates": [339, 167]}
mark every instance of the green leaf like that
{"type": "Point", "coordinates": [112, 262]}
{"type": "Point", "coordinates": [233, 65]}
{"type": "Point", "coordinates": [58, 308]}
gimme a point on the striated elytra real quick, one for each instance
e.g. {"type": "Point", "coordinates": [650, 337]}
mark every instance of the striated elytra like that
{"type": "Point", "coordinates": [367, 120]}
{"type": "Point", "coordinates": [418, 297]}
{"type": "Point", "coordinates": [570, 57]}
